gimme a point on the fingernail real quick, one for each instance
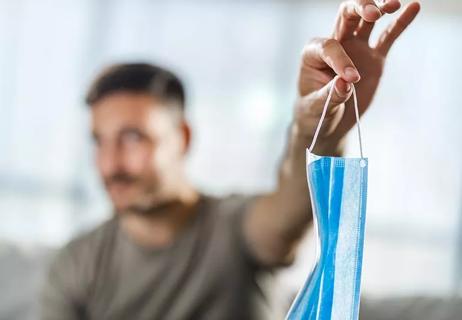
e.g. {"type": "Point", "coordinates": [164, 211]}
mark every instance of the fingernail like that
{"type": "Point", "coordinates": [351, 73]}
{"type": "Point", "coordinates": [372, 10]}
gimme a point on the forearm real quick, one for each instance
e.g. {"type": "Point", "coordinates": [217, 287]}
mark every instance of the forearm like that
{"type": "Point", "coordinates": [292, 195]}
{"type": "Point", "coordinates": [279, 219]}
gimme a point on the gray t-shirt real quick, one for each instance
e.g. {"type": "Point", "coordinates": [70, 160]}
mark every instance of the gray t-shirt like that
{"type": "Point", "coordinates": [208, 273]}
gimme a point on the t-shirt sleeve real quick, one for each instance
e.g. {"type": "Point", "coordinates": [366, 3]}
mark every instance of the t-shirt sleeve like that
{"type": "Point", "coordinates": [61, 294]}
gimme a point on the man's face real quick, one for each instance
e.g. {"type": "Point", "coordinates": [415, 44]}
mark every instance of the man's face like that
{"type": "Point", "coordinates": [140, 146]}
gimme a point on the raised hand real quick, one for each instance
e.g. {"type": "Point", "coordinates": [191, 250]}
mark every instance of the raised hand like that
{"type": "Point", "coordinates": [349, 54]}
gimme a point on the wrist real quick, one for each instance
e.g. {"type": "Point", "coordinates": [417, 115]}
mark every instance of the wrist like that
{"type": "Point", "coordinates": [325, 146]}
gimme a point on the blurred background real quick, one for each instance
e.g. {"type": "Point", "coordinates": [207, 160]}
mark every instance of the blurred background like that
{"type": "Point", "coordinates": [239, 60]}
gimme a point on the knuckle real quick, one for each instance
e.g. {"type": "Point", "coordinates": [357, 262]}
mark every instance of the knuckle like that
{"type": "Point", "coordinates": [311, 45]}
{"type": "Point", "coordinates": [348, 10]}
{"type": "Point", "coordinates": [328, 44]}
{"type": "Point", "coordinates": [343, 8]}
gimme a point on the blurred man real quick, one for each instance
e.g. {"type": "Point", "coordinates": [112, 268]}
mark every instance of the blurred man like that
{"type": "Point", "coordinates": [171, 252]}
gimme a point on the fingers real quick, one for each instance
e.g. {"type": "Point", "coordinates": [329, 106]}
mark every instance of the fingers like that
{"type": "Point", "coordinates": [390, 6]}
{"type": "Point", "coordinates": [352, 12]}
{"type": "Point", "coordinates": [364, 30]}
{"type": "Point", "coordinates": [397, 27]}
{"type": "Point", "coordinates": [368, 10]}
{"type": "Point", "coordinates": [323, 53]}
{"type": "Point", "coordinates": [347, 20]}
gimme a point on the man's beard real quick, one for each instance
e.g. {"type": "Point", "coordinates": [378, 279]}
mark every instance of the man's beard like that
{"type": "Point", "coordinates": [150, 200]}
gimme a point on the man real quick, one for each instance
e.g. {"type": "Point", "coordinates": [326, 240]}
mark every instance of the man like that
{"type": "Point", "coordinates": [172, 253]}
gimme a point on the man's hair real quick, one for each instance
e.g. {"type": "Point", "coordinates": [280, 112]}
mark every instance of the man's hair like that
{"type": "Point", "coordinates": [138, 78]}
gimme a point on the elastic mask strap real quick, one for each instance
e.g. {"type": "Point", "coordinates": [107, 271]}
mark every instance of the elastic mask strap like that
{"type": "Point", "coordinates": [324, 111]}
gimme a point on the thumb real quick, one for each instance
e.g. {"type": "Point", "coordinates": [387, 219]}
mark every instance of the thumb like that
{"type": "Point", "coordinates": [337, 91]}
{"type": "Point", "coordinates": [310, 108]}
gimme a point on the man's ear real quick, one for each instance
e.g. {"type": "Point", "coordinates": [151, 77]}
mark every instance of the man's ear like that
{"type": "Point", "coordinates": [186, 133]}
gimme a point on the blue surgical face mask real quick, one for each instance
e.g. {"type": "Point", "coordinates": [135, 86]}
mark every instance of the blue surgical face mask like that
{"type": "Point", "coordinates": [338, 188]}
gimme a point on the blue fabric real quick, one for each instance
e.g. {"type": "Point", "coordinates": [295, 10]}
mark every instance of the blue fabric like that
{"type": "Point", "coordinates": [338, 189]}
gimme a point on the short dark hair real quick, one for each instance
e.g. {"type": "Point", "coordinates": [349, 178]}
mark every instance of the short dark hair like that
{"type": "Point", "coordinates": [139, 78]}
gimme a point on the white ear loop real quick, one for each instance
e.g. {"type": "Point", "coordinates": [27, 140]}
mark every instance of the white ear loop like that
{"type": "Point", "coordinates": [324, 111]}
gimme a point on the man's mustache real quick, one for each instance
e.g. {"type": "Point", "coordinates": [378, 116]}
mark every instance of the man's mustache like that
{"type": "Point", "coordinates": [121, 178]}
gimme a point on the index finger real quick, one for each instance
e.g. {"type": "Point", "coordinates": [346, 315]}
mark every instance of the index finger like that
{"type": "Point", "coordinates": [329, 53]}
